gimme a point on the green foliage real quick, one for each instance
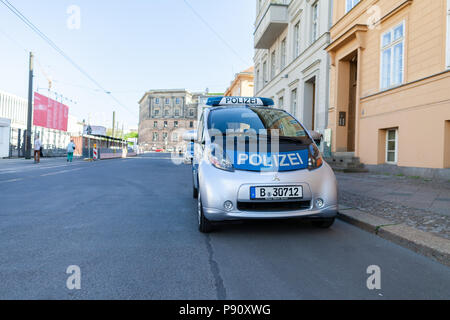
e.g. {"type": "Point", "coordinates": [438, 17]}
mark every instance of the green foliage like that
{"type": "Point", "coordinates": [131, 135]}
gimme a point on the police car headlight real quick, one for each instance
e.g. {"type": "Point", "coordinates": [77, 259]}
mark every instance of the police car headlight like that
{"type": "Point", "coordinates": [315, 158]}
{"type": "Point", "coordinates": [219, 159]}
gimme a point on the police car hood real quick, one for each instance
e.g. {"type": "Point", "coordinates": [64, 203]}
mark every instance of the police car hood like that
{"type": "Point", "coordinates": [260, 156]}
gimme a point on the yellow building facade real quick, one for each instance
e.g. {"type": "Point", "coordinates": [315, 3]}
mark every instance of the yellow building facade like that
{"type": "Point", "coordinates": [242, 85]}
{"type": "Point", "coordinates": [390, 82]}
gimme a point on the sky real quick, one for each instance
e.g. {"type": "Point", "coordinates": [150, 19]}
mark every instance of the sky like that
{"type": "Point", "coordinates": [128, 47]}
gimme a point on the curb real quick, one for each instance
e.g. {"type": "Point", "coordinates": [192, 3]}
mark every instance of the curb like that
{"type": "Point", "coordinates": [421, 242]}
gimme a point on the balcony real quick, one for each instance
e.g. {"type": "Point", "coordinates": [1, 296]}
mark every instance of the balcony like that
{"type": "Point", "coordinates": [271, 25]}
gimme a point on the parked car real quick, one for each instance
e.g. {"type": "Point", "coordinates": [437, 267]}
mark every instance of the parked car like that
{"type": "Point", "coordinates": [253, 161]}
{"type": "Point", "coordinates": [189, 153]}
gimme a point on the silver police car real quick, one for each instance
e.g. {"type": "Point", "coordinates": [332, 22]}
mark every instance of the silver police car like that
{"type": "Point", "coordinates": [253, 161]}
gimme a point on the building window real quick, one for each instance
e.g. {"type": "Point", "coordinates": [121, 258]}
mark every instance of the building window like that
{"type": "Point", "coordinates": [157, 101]}
{"type": "Point", "coordinates": [392, 146]}
{"type": "Point", "coordinates": [258, 79]}
{"type": "Point", "coordinates": [297, 40]}
{"type": "Point", "coordinates": [350, 4]}
{"type": "Point", "coordinates": [191, 113]}
{"type": "Point", "coordinates": [315, 22]}
{"type": "Point", "coordinates": [178, 101]}
{"type": "Point", "coordinates": [174, 137]}
{"type": "Point", "coordinates": [281, 102]}
{"type": "Point", "coordinates": [165, 135]}
{"type": "Point", "coordinates": [155, 124]}
{"type": "Point", "coordinates": [448, 33]}
{"type": "Point", "coordinates": [294, 102]}
{"type": "Point", "coordinates": [273, 64]}
{"type": "Point", "coordinates": [165, 124]}
{"type": "Point", "coordinates": [156, 112]}
{"type": "Point", "coordinates": [283, 54]}
{"type": "Point", "coordinates": [392, 56]}
{"type": "Point", "coordinates": [167, 100]}
{"type": "Point", "coordinates": [155, 136]}
{"type": "Point", "coordinates": [175, 124]}
{"type": "Point", "coordinates": [177, 112]}
{"type": "Point", "coordinates": [166, 112]}
{"type": "Point", "coordinates": [264, 73]}
{"type": "Point", "coordinates": [191, 124]}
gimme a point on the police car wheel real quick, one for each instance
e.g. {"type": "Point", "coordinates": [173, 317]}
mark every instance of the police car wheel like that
{"type": "Point", "coordinates": [204, 225]}
{"type": "Point", "coordinates": [194, 193]}
{"type": "Point", "coordinates": [194, 189]}
{"type": "Point", "coordinates": [324, 223]}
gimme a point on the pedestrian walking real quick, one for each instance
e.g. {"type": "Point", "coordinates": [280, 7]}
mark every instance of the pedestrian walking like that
{"type": "Point", "coordinates": [37, 149]}
{"type": "Point", "coordinates": [70, 149]}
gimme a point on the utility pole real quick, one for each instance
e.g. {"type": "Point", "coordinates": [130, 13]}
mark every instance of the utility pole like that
{"type": "Point", "coordinates": [122, 137]}
{"type": "Point", "coordinates": [30, 109]}
{"type": "Point", "coordinates": [89, 132]}
{"type": "Point", "coordinates": [114, 123]}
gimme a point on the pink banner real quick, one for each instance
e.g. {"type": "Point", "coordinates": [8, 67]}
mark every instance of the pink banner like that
{"type": "Point", "coordinates": [49, 113]}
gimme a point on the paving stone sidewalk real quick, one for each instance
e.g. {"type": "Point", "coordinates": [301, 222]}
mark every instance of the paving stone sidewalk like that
{"type": "Point", "coordinates": [417, 202]}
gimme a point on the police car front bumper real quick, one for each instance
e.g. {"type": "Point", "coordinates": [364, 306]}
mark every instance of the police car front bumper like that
{"type": "Point", "coordinates": [218, 186]}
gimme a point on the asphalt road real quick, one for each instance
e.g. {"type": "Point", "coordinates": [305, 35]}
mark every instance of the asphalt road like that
{"type": "Point", "coordinates": [131, 227]}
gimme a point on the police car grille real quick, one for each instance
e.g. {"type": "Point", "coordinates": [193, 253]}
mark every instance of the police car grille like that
{"type": "Point", "coordinates": [274, 206]}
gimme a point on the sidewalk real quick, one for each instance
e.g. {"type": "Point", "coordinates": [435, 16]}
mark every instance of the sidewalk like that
{"type": "Point", "coordinates": [411, 211]}
{"type": "Point", "coordinates": [20, 163]}
{"type": "Point", "coordinates": [416, 202]}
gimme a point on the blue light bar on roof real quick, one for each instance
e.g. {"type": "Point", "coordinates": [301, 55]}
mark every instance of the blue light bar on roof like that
{"type": "Point", "coordinates": [229, 101]}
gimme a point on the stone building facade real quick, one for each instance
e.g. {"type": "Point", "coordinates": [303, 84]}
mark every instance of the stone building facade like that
{"type": "Point", "coordinates": [291, 65]}
{"type": "Point", "coordinates": [164, 115]}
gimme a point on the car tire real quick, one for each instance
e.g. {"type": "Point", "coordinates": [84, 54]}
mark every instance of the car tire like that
{"type": "Point", "coordinates": [194, 189]}
{"type": "Point", "coordinates": [194, 193]}
{"type": "Point", "coordinates": [324, 223]}
{"type": "Point", "coordinates": [204, 225]}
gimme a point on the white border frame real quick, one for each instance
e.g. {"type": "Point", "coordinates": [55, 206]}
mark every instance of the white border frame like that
{"type": "Point", "coordinates": [392, 56]}
{"type": "Point", "coordinates": [396, 146]}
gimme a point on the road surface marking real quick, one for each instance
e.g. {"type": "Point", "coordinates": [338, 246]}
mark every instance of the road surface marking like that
{"type": "Point", "coordinates": [59, 172]}
{"type": "Point", "coordinates": [6, 172]}
{"type": "Point", "coordinates": [12, 180]}
{"type": "Point", "coordinates": [36, 167]}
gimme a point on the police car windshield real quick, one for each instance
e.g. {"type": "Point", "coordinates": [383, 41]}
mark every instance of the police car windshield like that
{"type": "Point", "coordinates": [243, 120]}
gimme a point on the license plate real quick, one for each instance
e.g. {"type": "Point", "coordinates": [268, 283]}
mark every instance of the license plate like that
{"type": "Point", "coordinates": [271, 193]}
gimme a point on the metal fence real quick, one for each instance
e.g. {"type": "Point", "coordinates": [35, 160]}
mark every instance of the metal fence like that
{"type": "Point", "coordinates": [54, 142]}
